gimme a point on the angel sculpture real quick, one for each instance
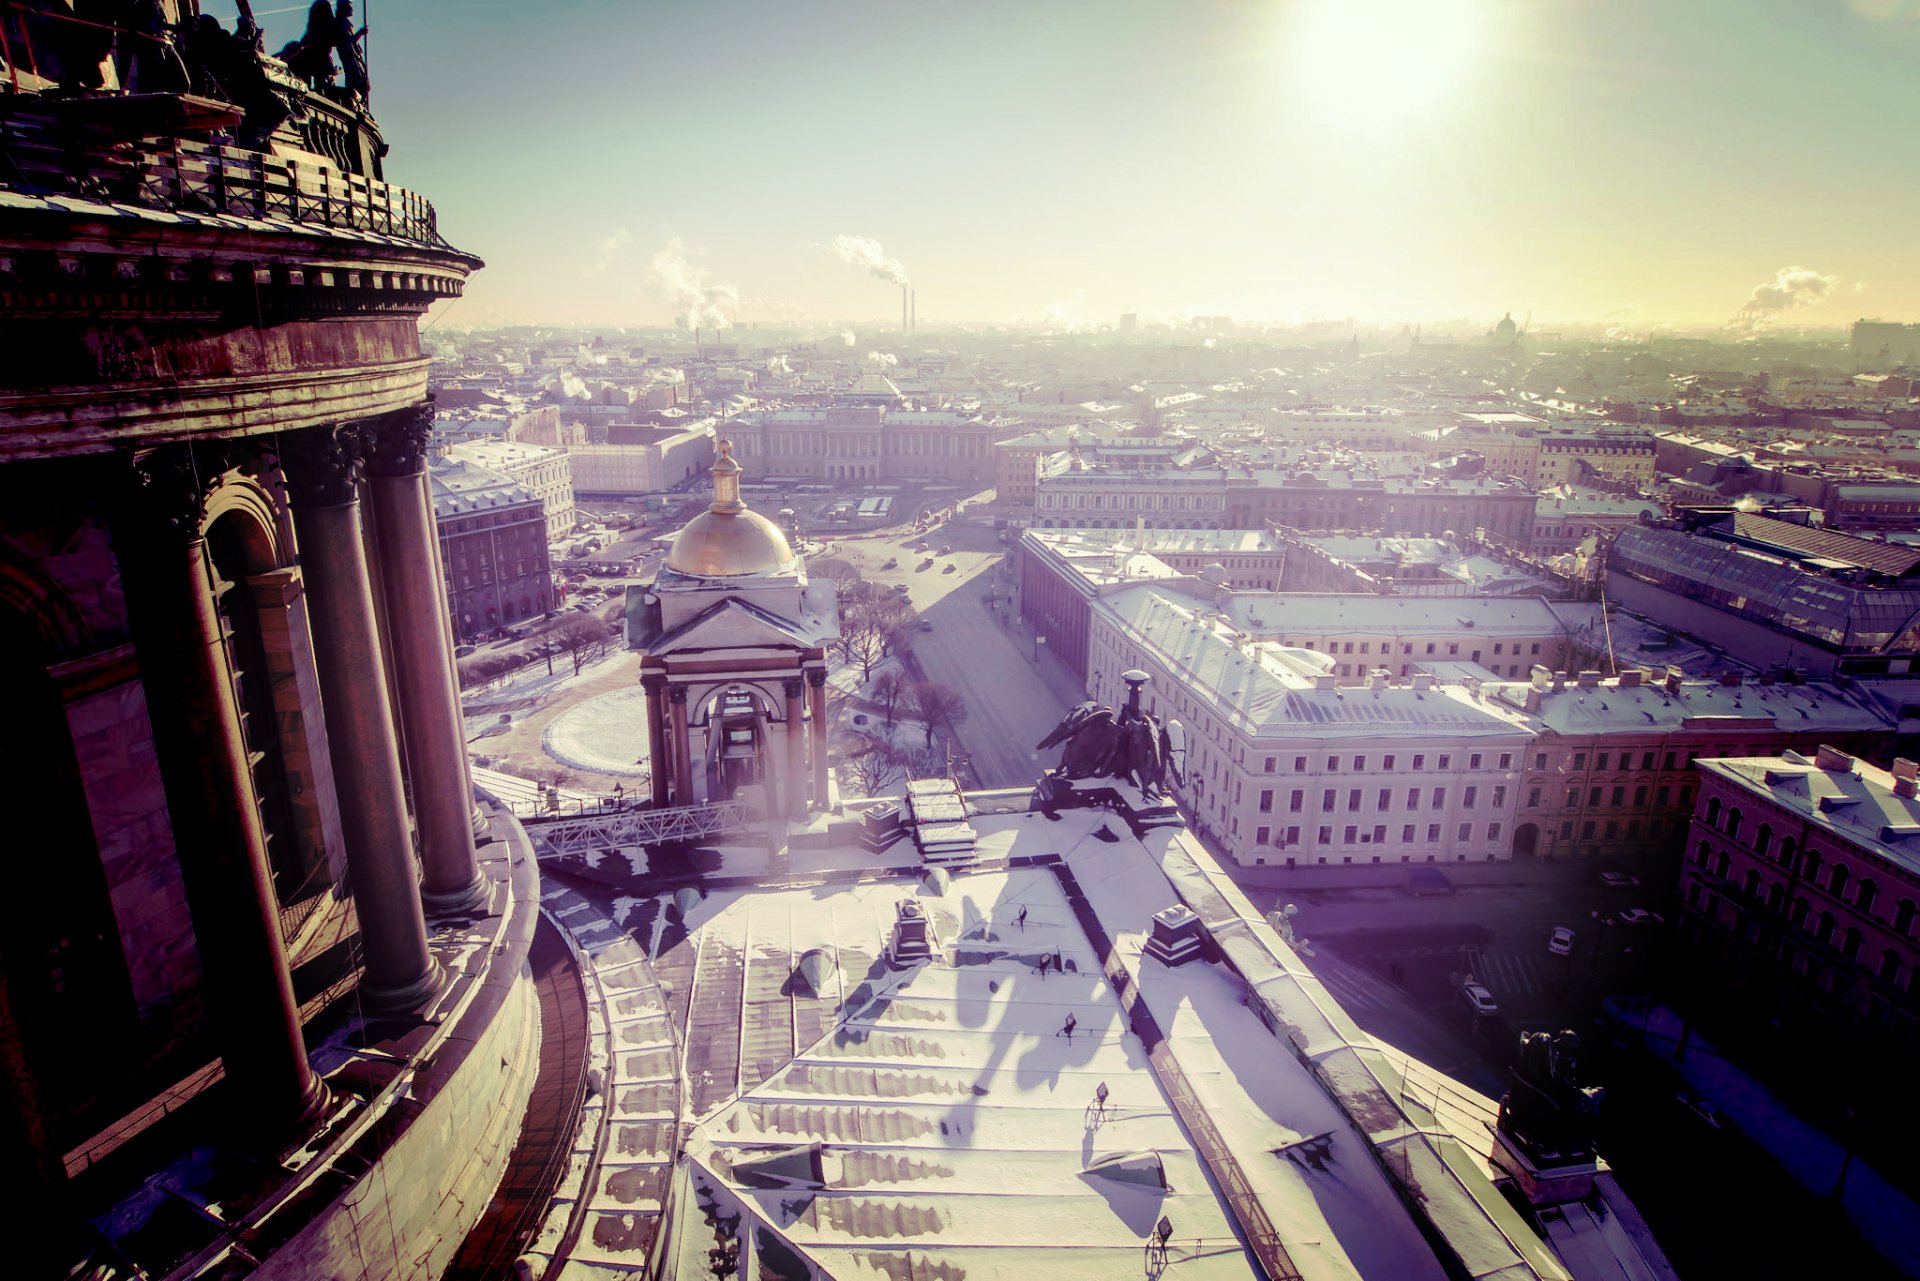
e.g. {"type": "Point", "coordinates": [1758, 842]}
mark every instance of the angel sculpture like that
{"type": "Point", "coordinates": [1129, 744]}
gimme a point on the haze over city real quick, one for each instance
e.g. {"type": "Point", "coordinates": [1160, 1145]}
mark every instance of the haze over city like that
{"type": "Point", "coordinates": [1629, 165]}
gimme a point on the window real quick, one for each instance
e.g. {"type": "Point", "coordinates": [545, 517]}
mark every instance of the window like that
{"type": "Point", "coordinates": [1619, 795]}
{"type": "Point", "coordinates": [1419, 761]}
{"type": "Point", "coordinates": [1333, 764]}
{"type": "Point", "coordinates": [1640, 795]}
{"type": "Point", "coordinates": [1433, 833]}
{"type": "Point", "coordinates": [1646, 760]}
{"type": "Point", "coordinates": [1586, 830]}
{"type": "Point", "coordinates": [1506, 760]}
{"type": "Point", "coordinates": [1269, 765]}
{"type": "Point", "coordinates": [1573, 798]}
{"type": "Point", "coordinates": [1579, 760]}
{"type": "Point", "coordinates": [1837, 879]}
{"type": "Point", "coordinates": [1601, 761]}
{"type": "Point", "coordinates": [1466, 832]}
{"type": "Point", "coordinates": [1668, 763]}
{"type": "Point", "coordinates": [1386, 762]}
{"type": "Point", "coordinates": [1439, 798]}
{"type": "Point", "coordinates": [1326, 836]}
{"type": "Point", "coordinates": [1864, 896]}
{"type": "Point", "coordinates": [1386, 799]}
{"type": "Point", "coordinates": [1533, 798]}
{"type": "Point", "coordinates": [1446, 762]}
{"type": "Point", "coordinates": [1352, 835]}
{"type": "Point", "coordinates": [1413, 798]}
{"type": "Point", "coordinates": [1353, 801]}
{"type": "Point", "coordinates": [1499, 797]}
{"type": "Point", "coordinates": [1406, 834]}
{"type": "Point", "coordinates": [1299, 764]}
{"type": "Point", "coordinates": [1493, 831]}
{"type": "Point", "coordinates": [1295, 800]}
{"type": "Point", "coordinates": [1293, 836]}
{"type": "Point", "coordinates": [1535, 649]}
{"type": "Point", "coordinates": [1266, 802]}
{"type": "Point", "coordinates": [1469, 797]}
{"type": "Point", "coordinates": [1593, 796]}
{"type": "Point", "coordinates": [1473, 761]}
{"type": "Point", "coordinates": [1328, 799]}
{"type": "Point", "coordinates": [1660, 795]}
{"type": "Point", "coordinates": [1453, 651]}
{"type": "Point", "coordinates": [1359, 764]}
{"type": "Point", "coordinates": [1260, 835]}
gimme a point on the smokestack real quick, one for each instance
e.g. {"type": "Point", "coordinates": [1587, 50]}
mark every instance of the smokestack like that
{"type": "Point", "coordinates": [913, 311]}
{"type": "Point", "coordinates": [903, 309]}
{"type": "Point", "coordinates": [696, 338]}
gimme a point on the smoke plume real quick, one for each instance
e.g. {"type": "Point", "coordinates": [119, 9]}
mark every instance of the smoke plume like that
{"type": "Point", "coordinates": [697, 301]}
{"type": "Point", "coordinates": [881, 360]}
{"type": "Point", "coordinates": [608, 250]}
{"type": "Point", "coordinates": [865, 252]}
{"type": "Point", "coordinates": [1790, 287]}
{"type": "Point", "coordinates": [848, 337]}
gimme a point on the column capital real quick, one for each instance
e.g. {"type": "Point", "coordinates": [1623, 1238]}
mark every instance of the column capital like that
{"type": "Point", "coordinates": [792, 687]}
{"type": "Point", "coordinates": [322, 465]}
{"type": "Point", "coordinates": [396, 443]}
{"type": "Point", "coordinates": [172, 483]}
{"type": "Point", "coordinates": [817, 677]}
{"type": "Point", "coordinates": [653, 682]}
{"type": "Point", "coordinates": [677, 694]}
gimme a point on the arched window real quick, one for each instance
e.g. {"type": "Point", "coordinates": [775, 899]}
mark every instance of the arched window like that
{"type": "Point", "coordinates": [1823, 932]}
{"type": "Point", "coordinates": [1787, 852]}
{"type": "Point", "coordinates": [1810, 863]}
{"type": "Point", "coordinates": [1733, 822]}
{"type": "Point", "coordinates": [1837, 879]}
{"type": "Point", "coordinates": [1702, 853]}
{"type": "Point", "coordinates": [1903, 917]}
{"type": "Point", "coordinates": [1889, 964]}
{"type": "Point", "coordinates": [1799, 914]}
{"type": "Point", "coordinates": [1713, 811]}
{"type": "Point", "coordinates": [1851, 948]}
{"type": "Point", "coordinates": [1750, 883]}
{"type": "Point", "coordinates": [1763, 840]}
{"type": "Point", "coordinates": [1863, 897]}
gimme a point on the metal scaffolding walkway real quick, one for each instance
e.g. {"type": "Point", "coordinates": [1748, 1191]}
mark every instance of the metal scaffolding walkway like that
{"type": "Point", "coordinates": [617, 829]}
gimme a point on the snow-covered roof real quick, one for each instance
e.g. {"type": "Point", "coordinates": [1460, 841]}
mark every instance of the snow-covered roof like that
{"type": "Point", "coordinates": [940, 1113]}
{"type": "Point", "coordinates": [1858, 803]}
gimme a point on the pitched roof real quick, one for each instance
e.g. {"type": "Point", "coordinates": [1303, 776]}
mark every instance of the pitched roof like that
{"type": "Point", "coordinates": [1826, 544]}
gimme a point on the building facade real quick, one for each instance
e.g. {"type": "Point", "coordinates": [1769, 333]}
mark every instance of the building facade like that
{"type": "Point", "coordinates": [544, 470]}
{"type": "Point", "coordinates": [1801, 878]}
{"type": "Point", "coordinates": [493, 543]}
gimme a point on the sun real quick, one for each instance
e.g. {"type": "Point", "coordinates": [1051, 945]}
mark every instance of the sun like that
{"type": "Point", "coordinates": [1375, 63]}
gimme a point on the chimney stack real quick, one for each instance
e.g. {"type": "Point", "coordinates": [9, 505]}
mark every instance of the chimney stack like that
{"type": "Point", "coordinates": [913, 311]}
{"type": "Point", "coordinates": [904, 306]}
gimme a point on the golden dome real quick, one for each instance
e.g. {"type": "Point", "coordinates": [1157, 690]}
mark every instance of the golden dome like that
{"type": "Point", "coordinates": [728, 540]}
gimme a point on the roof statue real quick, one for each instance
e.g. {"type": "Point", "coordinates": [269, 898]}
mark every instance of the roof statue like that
{"type": "Point", "coordinates": [1548, 1112]}
{"type": "Point", "coordinates": [1131, 744]}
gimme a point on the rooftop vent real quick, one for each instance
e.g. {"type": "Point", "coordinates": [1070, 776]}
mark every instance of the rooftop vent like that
{"type": "Point", "coordinates": [912, 940]}
{"type": "Point", "coordinates": [1588, 680]}
{"type": "Point", "coordinates": [1176, 936]}
{"type": "Point", "coordinates": [1423, 680]}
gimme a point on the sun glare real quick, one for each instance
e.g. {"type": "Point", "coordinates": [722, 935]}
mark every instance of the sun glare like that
{"type": "Point", "coordinates": [1380, 62]}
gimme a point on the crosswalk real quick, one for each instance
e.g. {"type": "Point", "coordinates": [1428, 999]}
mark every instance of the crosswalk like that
{"type": "Point", "coordinates": [1357, 990]}
{"type": "Point", "coordinates": [1512, 974]}
{"type": "Point", "coordinates": [1360, 985]}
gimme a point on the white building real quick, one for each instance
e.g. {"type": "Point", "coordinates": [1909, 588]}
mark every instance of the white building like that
{"type": "Point", "coordinates": [1285, 766]}
{"type": "Point", "coordinates": [541, 468]}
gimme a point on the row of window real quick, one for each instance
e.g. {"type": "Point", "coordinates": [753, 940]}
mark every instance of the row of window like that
{"type": "Point", "coordinates": [1383, 799]}
{"type": "Point", "coordinates": [1805, 865]}
{"type": "Point", "coordinates": [1353, 834]}
{"type": "Point", "coordinates": [1389, 762]}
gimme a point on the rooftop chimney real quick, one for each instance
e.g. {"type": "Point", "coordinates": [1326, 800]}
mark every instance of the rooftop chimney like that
{"type": "Point", "coordinates": [1674, 677]}
{"type": "Point", "coordinates": [1176, 936]}
{"type": "Point", "coordinates": [1729, 678]}
{"type": "Point", "coordinates": [912, 942]}
{"type": "Point", "coordinates": [1630, 679]}
{"type": "Point", "coordinates": [1378, 678]}
{"type": "Point", "coordinates": [1423, 680]}
{"type": "Point", "coordinates": [1539, 677]}
{"type": "Point", "coordinates": [1832, 758]}
{"type": "Point", "coordinates": [1589, 680]}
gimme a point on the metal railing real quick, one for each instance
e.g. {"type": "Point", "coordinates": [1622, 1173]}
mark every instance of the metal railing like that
{"type": "Point", "coordinates": [619, 829]}
{"type": "Point", "coordinates": [180, 175]}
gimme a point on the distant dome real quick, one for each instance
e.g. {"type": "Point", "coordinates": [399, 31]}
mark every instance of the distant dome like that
{"type": "Point", "coordinates": [1506, 327]}
{"type": "Point", "coordinates": [727, 540]}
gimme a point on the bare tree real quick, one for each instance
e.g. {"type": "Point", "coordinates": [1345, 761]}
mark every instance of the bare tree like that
{"type": "Point", "coordinates": [873, 767]}
{"type": "Point", "coordinates": [579, 636]}
{"type": "Point", "coordinates": [889, 688]}
{"type": "Point", "coordinates": [862, 644]}
{"type": "Point", "coordinates": [932, 704]}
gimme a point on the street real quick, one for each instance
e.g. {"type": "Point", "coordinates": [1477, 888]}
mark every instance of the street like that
{"type": "Point", "coordinates": [1010, 707]}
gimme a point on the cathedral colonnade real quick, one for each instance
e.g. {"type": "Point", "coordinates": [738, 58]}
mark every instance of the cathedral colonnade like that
{"type": "Point", "coordinates": [296, 702]}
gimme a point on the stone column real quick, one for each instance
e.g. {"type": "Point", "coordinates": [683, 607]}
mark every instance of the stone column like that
{"type": "Point", "coordinates": [681, 746]}
{"type": "Point", "coordinates": [211, 805]}
{"type": "Point", "coordinates": [659, 766]}
{"type": "Point", "coordinates": [323, 470]}
{"type": "Point", "coordinates": [817, 705]}
{"type": "Point", "coordinates": [423, 670]}
{"type": "Point", "coordinates": [796, 771]}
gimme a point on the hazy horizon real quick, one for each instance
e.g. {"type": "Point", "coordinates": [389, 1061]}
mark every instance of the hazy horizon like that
{"type": "Point", "coordinates": [1721, 165]}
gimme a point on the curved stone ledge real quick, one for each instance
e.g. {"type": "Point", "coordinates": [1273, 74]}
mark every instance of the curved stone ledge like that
{"type": "Point", "coordinates": [436, 1140]}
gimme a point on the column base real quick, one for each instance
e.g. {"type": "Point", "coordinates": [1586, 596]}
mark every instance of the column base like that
{"type": "Point", "coordinates": [408, 999]}
{"type": "Point", "coordinates": [472, 899]}
{"type": "Point", "coordinates": [482, 825]}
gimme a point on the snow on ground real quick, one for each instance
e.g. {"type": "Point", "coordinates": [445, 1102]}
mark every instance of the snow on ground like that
{"type": "Point", "coordinates": [606, 734]}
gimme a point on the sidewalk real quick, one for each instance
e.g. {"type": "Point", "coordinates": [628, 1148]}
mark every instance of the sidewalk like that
{"type": "Point", "coordinates": [1885, 1216]}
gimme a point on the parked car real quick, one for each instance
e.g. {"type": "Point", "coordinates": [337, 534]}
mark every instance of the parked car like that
{"type": "Point", "coordinates": [1640, 916]}
{"type": "Point", "coordinates": [1560, 942]}
{"type": "Point", "coordinates": [924, 625]}
{"type": "Point", "coordinates": [1478, 999]}
{"type": "Point", "coordinates": [950, 567]}
{"type": "Point", "coordinates": [892, 562]}
{"type": "Point", "coordinates": [946, 549]}
{"type": "Point", "coordinates": [1618, 880]}
{"type": "Point", "coordinates": [462, 651]}
{"type": "Point", "coordinates": [1422, 881]}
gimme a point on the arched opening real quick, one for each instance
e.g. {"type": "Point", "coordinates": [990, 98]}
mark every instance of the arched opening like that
{"type": "Point", "coordinates": [739, 750]}
{"type": "Point", "coordinates": [1526, 839]}
{"type": "Point", "coordinates": [238, 550]}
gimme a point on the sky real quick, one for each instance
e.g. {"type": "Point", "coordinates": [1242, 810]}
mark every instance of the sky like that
{"type": "Point", "coordinates": [1631, 162]}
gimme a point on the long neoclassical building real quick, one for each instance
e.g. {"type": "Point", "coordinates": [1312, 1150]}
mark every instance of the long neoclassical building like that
{"type": "Point", "coordinates": [266, 952]}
